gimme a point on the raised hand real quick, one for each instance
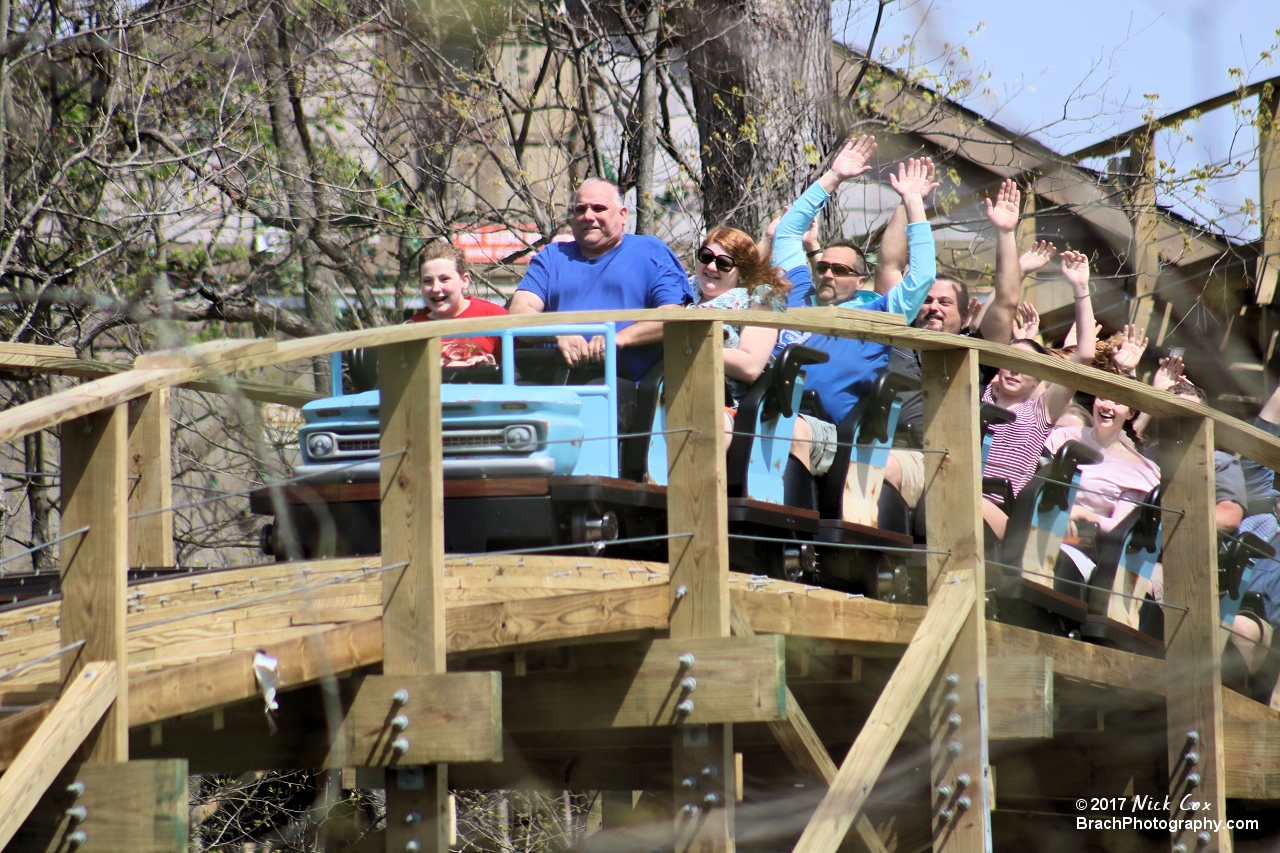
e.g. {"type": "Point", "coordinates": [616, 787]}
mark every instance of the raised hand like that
{"type": "Point", "coordinates": [973, 314]}
{"type": "Point", "coordinates": [810, 239]}
{"type": "Point", "coordinates": [1169, 373]}
{"type": "Point", "coordinates": [1036, 257]}
{"type": "Point", "coordinates": [854, 158]}
{"type": "Point", "coordinates": [772, 227]}
{"type": "Point", "coordinates": [1004, 213]}
{"type": "Point", "coordinates": [1026, 322]}
{"type": "Point", "coordinates": [1131, 349]}
{"type": "Point", "coordinates": [1075, 269]}
{"type": "Point", "coordinates": [914, 178]}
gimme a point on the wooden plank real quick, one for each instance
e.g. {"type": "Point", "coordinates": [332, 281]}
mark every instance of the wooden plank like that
{"type": "Point", "coordinates": [697, 504]}
{"type": "Point", "coordinates": [413, 621]}
{"type": "Point", "coordinates": [455, 716]}
{"type": "Point", "coordinates": [412, 509]}
{"type": "Point", "coordinates": [953, 497]}
{"type": "Point", "coordinates": [696, 496]}
{"type": "Point", "coordinates": [890, 716]}
{"type": "Point", "coordinates": [150, 481]}
{"type": "Point", "coordinates": [1081, 661]}
{"type": "Point", "coordinates": [88, 696]}
{"type": "Point", "coordinates": [1252, 749]}
{"type": "Point", "coordinates": [61, 361]}
{"type": "Point", "coordinates": [134, 807]}
{"type": "Point", "coordinates": [201, 354]}
{"type": "Point", "coordinates": [737, 680]}
{"type": "Point", "coordinates": [1020, 697]}
{"type": "Point", "coordinates": [94, 565]}
{"type": "Point", "coordinates": [208, 684]}
{"type": "Point", "coordinates": [13, 351]}
{"type": "Point", "coordinates": [1193, 645]}
{"type": "Point", "coordinates": [782, 608]}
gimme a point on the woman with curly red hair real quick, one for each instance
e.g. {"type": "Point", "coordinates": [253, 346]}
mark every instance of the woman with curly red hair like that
{"type": "Point", "coordinates": [731, 273]}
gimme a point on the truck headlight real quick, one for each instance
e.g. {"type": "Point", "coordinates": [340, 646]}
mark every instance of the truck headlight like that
{"type": "Point", "coordinates": [321, 445]}
{"type": "Point", "coordinates": [520, 437]}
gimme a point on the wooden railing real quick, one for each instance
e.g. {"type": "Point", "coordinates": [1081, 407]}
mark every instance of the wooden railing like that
{"type": "Point", "coordinates": [945, 662]}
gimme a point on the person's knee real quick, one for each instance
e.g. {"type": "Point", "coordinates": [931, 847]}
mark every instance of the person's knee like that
{"type": "Point", "coordinates": [801, 439]}
{"type": "Point", "coordinates": [893, 472]}
{"type": "Point", "coordinates": [995, 518]}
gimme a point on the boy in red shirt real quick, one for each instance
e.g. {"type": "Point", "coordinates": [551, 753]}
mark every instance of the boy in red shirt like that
{"type": "Point", "coordinates": [445, 278]}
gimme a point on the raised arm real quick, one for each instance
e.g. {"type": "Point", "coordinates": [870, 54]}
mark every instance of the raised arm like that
{"type": "Point", "coordinates": [1075, 268]}
{"type": "Point", "coordinates": [891, 257]}
{"type": "Point", "coordinates": [997, 321]}
{"type": "Point", "coordinates": [854, 159]}
{"type": "Point", "coordinates": [914, 181]}
{"type": "Point", "coordinates": [1168, 374]}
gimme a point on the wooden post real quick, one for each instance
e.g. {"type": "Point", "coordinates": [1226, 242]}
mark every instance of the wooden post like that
{"type": "Point", "coordinates": [953, 499]}
{"type": "Point", "coordinates": [150, 482]}
{"type": "Point", "coordinates": [1193, 642]}
{"type": "Point", "coordinates": [413, 633]}
{"type": "Point", "coordinates": [1268, 195]}
{"type": "Point", "coordinates": [697, 503]}
{"type": "Point", "coordinates": [95, 564]}
{"type": "Point", "coordinates": [1144, 257]}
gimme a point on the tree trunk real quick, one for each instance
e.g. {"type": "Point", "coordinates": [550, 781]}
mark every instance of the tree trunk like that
{"type": "Point", "coordinates": [647, 102]}
{"type": "Point", "coordinates": [761, 85]}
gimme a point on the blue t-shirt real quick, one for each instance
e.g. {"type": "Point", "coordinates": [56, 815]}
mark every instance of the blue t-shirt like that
{"type": "Point", "coordinates": [854, 365]}
{"type": "Point", "coordinates": [642, 272]}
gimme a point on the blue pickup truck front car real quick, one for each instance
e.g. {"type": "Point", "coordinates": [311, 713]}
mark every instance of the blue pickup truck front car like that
{"type": "Point", "coordinates": [530, 460]}
{"type": "Point", "coordinates": [488, 431]}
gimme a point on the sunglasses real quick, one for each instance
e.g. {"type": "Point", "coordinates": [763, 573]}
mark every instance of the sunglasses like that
{"type": "Point", "coordinates": [724, 263]}
{"type": "Point", "coordinates": [838, 269]}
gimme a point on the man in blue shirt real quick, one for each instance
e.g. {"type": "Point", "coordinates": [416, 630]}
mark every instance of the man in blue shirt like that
{"type": "Point", "coordinates": [604, 268]}
{"type": "Point", "coordinates": [854, 365]}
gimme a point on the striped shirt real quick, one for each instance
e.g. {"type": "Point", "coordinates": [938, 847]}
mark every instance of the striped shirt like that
{"type": "Point", "coordinates": [1016, 446]}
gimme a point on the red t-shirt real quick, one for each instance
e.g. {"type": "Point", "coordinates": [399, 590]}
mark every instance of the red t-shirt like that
{"type": "Point", "coordinates": [460, 349]}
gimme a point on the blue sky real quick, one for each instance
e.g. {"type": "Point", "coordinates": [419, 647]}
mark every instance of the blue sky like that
{"type": "Point", "coordinates": [1071, 73]}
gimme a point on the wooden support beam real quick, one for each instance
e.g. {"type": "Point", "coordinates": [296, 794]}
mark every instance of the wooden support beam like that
{"type": "Point", "coordinates": [889, 718]}
{"type": "Point", "coordinates": [953, 498]}
{"type": "Point", "coordinates": [1268, 266]}
{"type": "Point", "coordinates": [1193, 643]}
{"type": "Point", "coordinates": [95, 564]}
{"type": "Point", "coordinates": [804, 748]}
{"type": "Point", "coordinates": [88, 696]}
{"type": "Point", "coordinates": [454, 716]}
{"type": "Point", "coordinates": [135, 807]}
{"type": "Point", "coordinates": [737, 680]}
{"type": "Point", "coordinates": [413, 628]}
{"type": "Point", "coordinates": [150, 481]}
{"type": "Point", "coordinates": [1144, 256]}
{"type": "Point", "coordinates": [697, 504]}
{"type": "Point", "coordinates": [1019, 697]}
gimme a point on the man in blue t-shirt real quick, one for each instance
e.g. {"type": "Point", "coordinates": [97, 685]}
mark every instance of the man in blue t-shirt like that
{"type": "Point", "coordinates": [604, 268]}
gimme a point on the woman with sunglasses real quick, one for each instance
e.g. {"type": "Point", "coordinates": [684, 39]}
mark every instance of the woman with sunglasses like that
{"type": "Point", "coordinates": [731, 274]}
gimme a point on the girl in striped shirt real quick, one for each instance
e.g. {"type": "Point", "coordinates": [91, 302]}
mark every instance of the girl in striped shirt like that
{"type": "Point", "coordinates": [1015, 447]}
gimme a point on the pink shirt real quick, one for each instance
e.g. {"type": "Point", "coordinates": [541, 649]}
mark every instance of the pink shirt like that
{"type": "Point", "coordinates": [1113, 486]}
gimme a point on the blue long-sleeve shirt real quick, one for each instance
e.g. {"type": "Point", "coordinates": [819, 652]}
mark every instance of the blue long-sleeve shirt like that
{"type": "Point", "coordinates": [854, 365]}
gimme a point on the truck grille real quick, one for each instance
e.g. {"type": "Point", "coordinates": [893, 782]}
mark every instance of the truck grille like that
{"type": "Point", "coordinates": [518, 439]}
{"type": "Point", "coordinates": [357, 445]}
